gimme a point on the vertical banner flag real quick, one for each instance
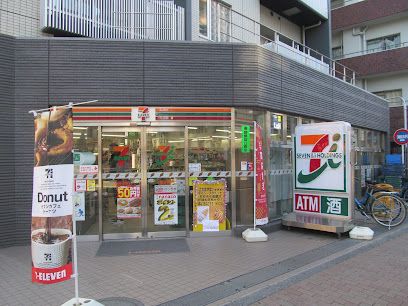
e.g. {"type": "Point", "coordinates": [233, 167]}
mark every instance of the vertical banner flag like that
{"type": "Point", "coordinates": [51, 226]}
{"type": "Point", "coordinates": [261, 201]}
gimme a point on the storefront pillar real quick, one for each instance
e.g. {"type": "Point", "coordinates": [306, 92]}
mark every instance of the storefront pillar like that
{"type": "Point", "coordinates": [233, 174]}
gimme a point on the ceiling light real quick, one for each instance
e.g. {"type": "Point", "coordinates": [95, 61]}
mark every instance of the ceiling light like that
{"type": "Point", "coordinates": [109, 135]}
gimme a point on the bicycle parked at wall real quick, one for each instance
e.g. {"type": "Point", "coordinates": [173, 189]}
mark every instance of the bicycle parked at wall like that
{"type": "Point", "coordinates": [402, 193]}
{"type": "Point", "coordinates": [385, 207]}
{"type": "Point", "coordinates": [404, 190]}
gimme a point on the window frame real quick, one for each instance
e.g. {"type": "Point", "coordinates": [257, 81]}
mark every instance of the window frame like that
{"type": "Point", "coordinates": [382, 40]}
{"type": "Point", "coordinates": [208, 26]}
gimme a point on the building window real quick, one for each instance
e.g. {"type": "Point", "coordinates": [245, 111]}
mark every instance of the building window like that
{"type": "Point", "coordinates": [204, 17]}
{"type": "Point", "coordinates": [215, 20]}
{"type": "Point", "coordinates": [392, 96]}
{"type": "Point", "coordinates": [337, 52]}
{"type": "Point", "coordinates": [220, 22]}
{"type": "Point", "coordinates": [384, 43]}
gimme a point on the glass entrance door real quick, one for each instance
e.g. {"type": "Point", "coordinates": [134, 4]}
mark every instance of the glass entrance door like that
{"type": "Point", "coordinates": [143, 182]}
{"type": "Point", "coordinates": [122, 211]}
{"type": "Point", "coordinates": [165, 161]}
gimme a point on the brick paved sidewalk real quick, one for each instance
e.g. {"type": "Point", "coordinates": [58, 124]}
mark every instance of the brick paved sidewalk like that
{"type": "Point", "coordinates": [152, 278]}
{"type": "Point", "coordinates": [376, 277]}
{"type": "Point", "coordinates": [215, 269]}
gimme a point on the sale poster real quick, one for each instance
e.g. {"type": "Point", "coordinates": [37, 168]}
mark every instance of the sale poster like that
{"type": "Point", "coordinates": [90, 185]}
{"type": "Point", "coordinates": [129, 202]}
{"type": "Point", "coordinates": [52, 205]}
{"type": "Point", "coordinates": [209, 206]}
{"type": "Point", "coordinates": [165, 205]}
{"type": "Point", "coordinates": [80, 185]}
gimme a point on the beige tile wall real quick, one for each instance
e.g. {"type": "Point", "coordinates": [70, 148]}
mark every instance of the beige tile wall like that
{"type": "Point", "coordinates": [20, 18]}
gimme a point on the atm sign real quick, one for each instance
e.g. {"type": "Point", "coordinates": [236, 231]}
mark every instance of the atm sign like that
{"type": "Point", "coordinates": [307, 202]}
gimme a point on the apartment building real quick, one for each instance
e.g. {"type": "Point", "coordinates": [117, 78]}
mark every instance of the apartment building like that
{"type": "Point", "coordinates": [371, 37]}
{"type": "Point", "coordinates": [199, 71]}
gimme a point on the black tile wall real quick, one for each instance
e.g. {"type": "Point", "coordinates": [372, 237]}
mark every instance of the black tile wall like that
{"type": "Point", "coordinates": [7, 155]}
{"type": "Point", "coordinates": [37, 73]}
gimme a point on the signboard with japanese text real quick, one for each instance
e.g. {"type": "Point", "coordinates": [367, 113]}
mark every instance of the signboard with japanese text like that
{"type": "Point", "coordinates": [260, 192]}
{"type": "Point", "coordinates": [209, 205]}
{"type": "Point", "coordinates": [165, 204]}
{"type": "Point", "coordinates": [330, 205]}
{"type": "Point", "coordinates": [129, 202]}
{"type": "Point", "coordinates": [322, 169]}
{"type": "Point", "coordinates": [245, 139]}
{"type": "Point", "coordinates": [88, 169]}
{"type": "Point", "coordinates": [52, 205]}
{"type": "Point", "coordinates": [80, 185]}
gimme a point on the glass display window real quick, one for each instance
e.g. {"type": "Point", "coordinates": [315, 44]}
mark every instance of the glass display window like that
{"type": "Point", "coordinates": [209, 171]}
{"type": "Point", "coordinates": [86, 179]}
{"type": "Point", "coordinates": [244, 162]}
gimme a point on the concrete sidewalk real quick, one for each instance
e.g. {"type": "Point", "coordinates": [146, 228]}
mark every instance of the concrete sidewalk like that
{"type": "Point", "coordinates": [218, 270]}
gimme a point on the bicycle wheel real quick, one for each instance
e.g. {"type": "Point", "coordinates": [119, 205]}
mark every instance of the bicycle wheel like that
{"type": "Point", "coordinates": [405, 196]}
{"type": "Point", "coordinates": [388, 210]}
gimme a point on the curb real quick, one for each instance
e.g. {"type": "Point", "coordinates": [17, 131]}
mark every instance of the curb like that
{"type": "Point", "coordinates": [261, 291]}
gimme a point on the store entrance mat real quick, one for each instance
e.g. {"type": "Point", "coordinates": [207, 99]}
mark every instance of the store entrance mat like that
{"type": "Point", "coordinates": [142, 247]}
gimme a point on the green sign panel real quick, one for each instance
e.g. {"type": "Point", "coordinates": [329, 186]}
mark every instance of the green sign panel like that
{"type": "Point", "coordinates": [334, 206]}
{"type": "Point", "coordinates": [245, 139]}
{"type": "Point", "coordinates": [132, 135]}
{"type": "Point", "coordinates": [77, 157]}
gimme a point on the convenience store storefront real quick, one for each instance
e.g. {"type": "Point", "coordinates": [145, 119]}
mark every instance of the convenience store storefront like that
{"type": "Point", "coordinates": [130, 160]}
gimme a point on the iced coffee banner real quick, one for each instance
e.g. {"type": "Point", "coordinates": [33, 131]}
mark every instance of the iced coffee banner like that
{"type": "Point", "coordinates": [52, 209]}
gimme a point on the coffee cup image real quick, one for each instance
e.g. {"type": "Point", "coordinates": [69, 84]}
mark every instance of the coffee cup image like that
{"type": "Point", "coordinates": [52, 253]}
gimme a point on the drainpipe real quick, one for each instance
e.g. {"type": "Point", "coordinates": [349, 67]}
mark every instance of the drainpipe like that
{"type": "Point", "coordinates": [362, 35]}
{"type": "Point", "coordinates": [308, 28]}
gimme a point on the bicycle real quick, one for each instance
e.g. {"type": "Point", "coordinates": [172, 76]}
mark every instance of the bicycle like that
{"type": "Point", "coordinates": [404, 190]}
{"type": "Point", "coordinates": [386, 208]}
{"type": "Point", "coordinates": [385, 187]}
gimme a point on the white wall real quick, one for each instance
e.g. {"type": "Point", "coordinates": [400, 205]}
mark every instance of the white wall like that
{"type": "Point", "coordinates": [353, 43]}
{"type": "Point", "coordinates": [399, 81]}
{"type": "Point", "coordinates": [389, 28]}
{"type": "Point", "coordinates": [320, 6]}
{"type": "Point", "coordinates": [248, 8]}
{"type": "Point", "coordinates": [20, 18]}
{"type": "Point", "coordinates": [280, 24]}
{"type": "Point", "coordinates": [251, 10]}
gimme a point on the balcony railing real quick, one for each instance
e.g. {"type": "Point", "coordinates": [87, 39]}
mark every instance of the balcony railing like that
{"type": "Point", "coordinates": [370, 51]}
{"type": "Point", "coordinates": [122, 19]}
{"type": "Point", "coordinates": [251, 31]}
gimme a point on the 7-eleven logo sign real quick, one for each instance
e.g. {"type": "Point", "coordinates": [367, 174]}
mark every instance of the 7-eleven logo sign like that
{"type": "Point", "coordinates": [143, 114]}
{"type": "Point", "coordinates": [320, 161]}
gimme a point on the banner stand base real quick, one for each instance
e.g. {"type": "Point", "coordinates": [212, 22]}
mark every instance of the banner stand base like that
{"type": "Point", "coordinates": [254, 235]}
{"type": "Point", "coordinates": [317, 222]}
{"type": "Point", "coordinates": [82, 301]}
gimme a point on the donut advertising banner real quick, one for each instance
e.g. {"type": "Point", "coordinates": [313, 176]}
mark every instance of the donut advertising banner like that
{"type": "Point", "coordinates": [51, 226]}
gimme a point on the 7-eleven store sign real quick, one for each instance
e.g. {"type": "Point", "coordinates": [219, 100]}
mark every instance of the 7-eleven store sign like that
{"type": "Point", "coordinates": [143, 114]}
{"type": "Point", "coordinates": [322, 174]}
